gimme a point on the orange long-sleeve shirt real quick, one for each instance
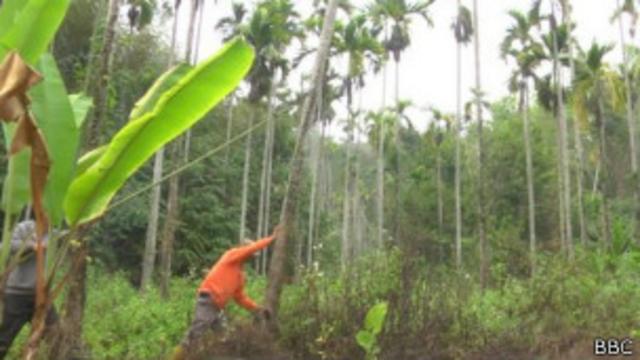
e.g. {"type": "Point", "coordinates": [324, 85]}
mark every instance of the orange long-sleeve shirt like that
{"type": "Point", "coordinates": [225, 280]}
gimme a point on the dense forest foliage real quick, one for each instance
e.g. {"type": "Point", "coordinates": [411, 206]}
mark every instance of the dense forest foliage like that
{"type": "Point", "coordinates": [505, 230]}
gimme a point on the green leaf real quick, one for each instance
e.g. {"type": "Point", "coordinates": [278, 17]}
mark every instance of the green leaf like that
{"type": "Point", "coordinates": [87, 160]}
{"type": "Point", "coordinates": [81, 104]}
{"type": "Point", "coordinates": [375, 318]}
{"type": "Point", "coordinates": [33, 28]}
{"type": "Point", "coordinates": [56, 120]}
{"type": "Point", "coordinates": [9, 12]}
{"type": "Point", "coordinates": [159, 87]}
{"type": "Point", "coordinates": [17, 180]}
{"type": "Point", "coordinates": [366, 340]}
{"type": "Point", "coordinates": [176, 111]}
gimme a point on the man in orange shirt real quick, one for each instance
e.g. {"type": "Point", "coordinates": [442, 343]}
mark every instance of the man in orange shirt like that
{"type": "Point", "coordinates": [225, 281]}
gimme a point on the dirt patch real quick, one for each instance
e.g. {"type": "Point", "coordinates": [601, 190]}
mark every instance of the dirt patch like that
{"type": "Point", "coordinates": [245, 342]}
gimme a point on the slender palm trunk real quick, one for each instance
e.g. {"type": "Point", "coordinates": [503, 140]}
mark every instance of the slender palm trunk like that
{"type": "Point", "coordinates": [99, 83]}
{"type": "Point", "coordinates": [439, 191]}
{"type": "Point", "coordinates": [380, 154]}
{"type": "Point", "coordinates": [76, 295]}
{"type": "Point", "coordinates": [154, 212]}
{"type": "Point", "coordinates": [604, 183]}
{"type": "Point", "coordinates": [630, 121]}
{"type": "Point", "coordinates": [596, 177]}
{"type": "Point", "coordinates": [276, 270]}
{"type": "Point", "coordinates": [529, 160]}
{"type": "Point", "coordinates": [579, 167]}
{"type": "Point", "coordinates": [266, 223]}
{"type": "Point", "coordinates": [457, 159]}
{"type": "Point", "coordinates": [261, 230]}
{"type": "Point", "coordinates": [229, 127]}
{"type": "Point", "coordinates": [484, 245]}
{"type": "Point", "coordinates": [357, 210]}
{"type": "Point", "coordinates": [348, 188]}
{"type": "Point", "coordinates": [178, 155]}
{"type": "Point", "coordinates": [318, 153]}
{"type": "Point", "coordinates": [245, 177]}
{"type": "Point", "coordinates": [398, 180]}
{"type": "Point", "coordinates": [564, 152]}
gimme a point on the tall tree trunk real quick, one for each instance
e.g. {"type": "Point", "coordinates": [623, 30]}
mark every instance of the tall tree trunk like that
{"type": "Point", "coordinates": [170, 224]}
{"type": "Point", "coordinates": [287, 219]}
{"type": "Point", "coordinates": [357, 209]}
{"type": "Point", "coordinates": [630, 123]}
{"type": "Point", "coordinates": [579, 167]}
{"type": "Point", "coordinates": [457, 159]}
{"type": "Point", "coordinates": [245, 177]}
{"type": "Point", "coordinates": [398, 180]}
{"type": "Point", "coordinates": [440, 201]}
{"type": "Point", "coordinates": [484, 246]}
{"type": "Point", "coordinates": [178, 155]}
{"type": "Point", "coordinates": [99, 82]}
{"type": "Point", "coordinates": [314, 183]}
{"type": "Point", "coordinates": [380, 154]}
{"type": "Point", "coordinates": [229, 127]}
{"type": "Point", "coordinates": [604, 183]}
{"type": "Point", "coordinates": [76, 294]}
{"type": "Point", "coordinates": [156, 194]}
{"type": "Point", "coordinates": [529, 162]}
{"type": "Point", "coordinates": [267, 149]}
{"type": "Point", "coordinates": [564, 148]}
{"type": "Point", "coordinates": [347, 211]}
{"type": "Point", "coordinates": [266, 225]}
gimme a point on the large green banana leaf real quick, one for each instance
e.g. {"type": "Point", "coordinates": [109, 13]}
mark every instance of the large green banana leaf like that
{"type": "Point", "coordinates": [16, 190]}
{"type": "Point", "coordinates": [81, 104]}
{"type": "Point", "coordinates": [27, 26]}
{"type": "Point", "coordinates": [9, 12]}
{"type": "Point", "coordinates": [176, 110]}
{"type": "Point", "coordinates": [143, 105]}
{"type": "Point", "coordinates": [56, 120]}
{"type": "Point", "coordinates": [33, 28]}
{"type": "Point", "coordinates": [165, 82]}
{"type": "Point", "coordinates": [87, 160]}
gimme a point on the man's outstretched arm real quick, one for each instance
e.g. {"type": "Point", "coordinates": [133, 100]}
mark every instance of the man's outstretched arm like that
{"type": "Point", "coordinates": [241, 254]}
{"type": "Point", "coordinates": [245, 301]}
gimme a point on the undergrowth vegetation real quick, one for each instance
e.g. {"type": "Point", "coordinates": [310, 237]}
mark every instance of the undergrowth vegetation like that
{"type": "Point", "coordinates": [431, 310]}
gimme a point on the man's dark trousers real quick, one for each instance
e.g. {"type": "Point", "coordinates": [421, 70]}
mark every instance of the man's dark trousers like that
{"type": "Point", "coordinates": [18, 310]}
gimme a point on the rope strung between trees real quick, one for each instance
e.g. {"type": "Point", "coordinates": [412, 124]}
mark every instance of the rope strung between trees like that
{"type": "Point", "coordinates": [187, 165]}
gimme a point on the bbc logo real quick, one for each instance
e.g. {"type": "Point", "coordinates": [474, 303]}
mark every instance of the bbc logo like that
{"type": "Point", "coordinates": [612, 347]}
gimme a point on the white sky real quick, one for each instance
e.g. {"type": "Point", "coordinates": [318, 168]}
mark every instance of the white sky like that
{"type": "Point", "coordinates": [428, 68]}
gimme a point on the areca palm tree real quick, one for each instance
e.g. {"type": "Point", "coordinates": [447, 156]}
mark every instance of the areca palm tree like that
{"type": "Point", "coordinates": [358, 41]}
{"type": "Point", "coordinates": [287, 217]}
{"type": "Point", "coordinates": [520, 46]}
{"type": "Point", "coordinates": [596, 87]}
{"type": "Point", "coordinates": [579, 152]}
{"type": "Point", "coordinates": [484, 245]}
{"type": "Point", "coordinates": [399, 13]}
{"type": "Point", "coordinates": [556, 44]}
{"type": "Point", "coordinates": [629, 8]}
{"type": "Point", "coordinates": [154, 213]}
{"type": "Point", "coordinates": [272, 27]}
{"type": "Point", "coordinates": [463, 32]}
{"type": "Point", "coordinates": [437, 117]}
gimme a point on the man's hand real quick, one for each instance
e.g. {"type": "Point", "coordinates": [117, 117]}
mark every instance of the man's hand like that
{"type": "Point", "coordinates": [263, 313]}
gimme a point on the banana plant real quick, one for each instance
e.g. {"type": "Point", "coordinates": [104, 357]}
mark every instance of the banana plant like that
{"type": "Point", "coordinates": [81, 192]}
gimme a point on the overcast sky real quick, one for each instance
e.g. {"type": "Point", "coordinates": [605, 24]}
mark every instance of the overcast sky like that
{"type": "Point", "coordinates": [428, 67]}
